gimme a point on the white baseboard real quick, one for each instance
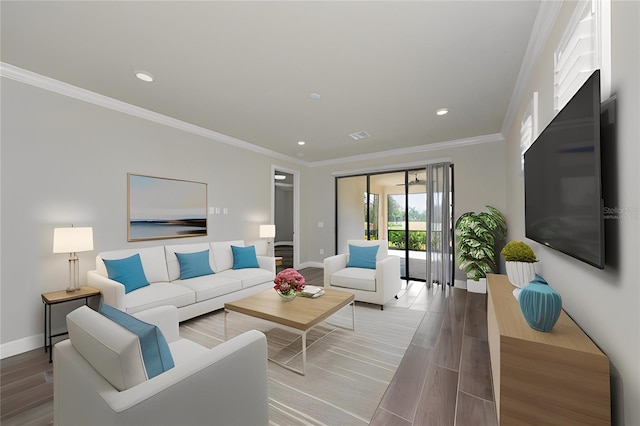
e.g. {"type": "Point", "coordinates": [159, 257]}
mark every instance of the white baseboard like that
{"type": "Point", "coordinates": [460, 284]}
{"type": "Point", "coordinates": [19, 346]}
{"type": "Point", "coordinates": [311, 265]}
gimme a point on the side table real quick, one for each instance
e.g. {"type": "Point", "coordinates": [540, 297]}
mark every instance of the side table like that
{"type": "Point", "coordinates": [278, 263]}
{"type": "Point", "coordinates": [56, 297]}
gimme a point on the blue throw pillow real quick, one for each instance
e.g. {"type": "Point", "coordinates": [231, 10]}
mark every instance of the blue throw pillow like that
{"type": "Point", "coordinates": [194, 264]}
{"type": "Point", "coordinates": [244, 257]}
{"type": "Point", "coordinates": [127, 271]}
{"type": "Point", "coordinates": [362, 257]}
{"type": "Point", "coordinates": [155, 350]}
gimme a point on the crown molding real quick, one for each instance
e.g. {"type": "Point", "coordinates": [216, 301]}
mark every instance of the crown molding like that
{"type": "Point", "coordinates": [545, 19]}
{"type": "Point", "coordinates": [496, 137]}
{"type": "Point", "coordinates": [65, 89]}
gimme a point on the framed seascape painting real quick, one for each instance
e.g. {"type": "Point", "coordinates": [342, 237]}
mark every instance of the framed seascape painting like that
{"type": "Point", "coordinates": [161, 208]}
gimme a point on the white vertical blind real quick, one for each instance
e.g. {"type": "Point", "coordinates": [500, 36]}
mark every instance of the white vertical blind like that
{"type": "Point", "coordinates": [584, 47]}
{"type": "Point", "coordinates": [528, 127]}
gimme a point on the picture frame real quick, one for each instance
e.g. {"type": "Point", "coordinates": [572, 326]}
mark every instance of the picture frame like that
{"type": "Point", "coordinates": [163, 208]}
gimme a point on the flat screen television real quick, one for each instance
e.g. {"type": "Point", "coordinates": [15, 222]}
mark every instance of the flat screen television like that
{"type": "Point", "coordinates": [562, 180]}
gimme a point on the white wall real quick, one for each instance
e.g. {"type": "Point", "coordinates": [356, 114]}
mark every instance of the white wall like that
{"type": "Point", "coordinates": [605, 303]}
{"type": "Point", "coordinates": [65, 162]}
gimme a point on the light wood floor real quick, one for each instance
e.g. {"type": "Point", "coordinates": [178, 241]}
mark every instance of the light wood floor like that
{"type": "Point", "coordinates": [443, 379]}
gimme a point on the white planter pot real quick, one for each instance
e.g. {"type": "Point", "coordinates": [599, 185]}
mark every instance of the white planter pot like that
{"type": "Point", "coordinates": [477, 286]}
{"type": "Point", "coordinates": [520, 273]}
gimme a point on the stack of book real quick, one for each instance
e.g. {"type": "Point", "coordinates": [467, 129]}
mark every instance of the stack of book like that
{"type": "Point", "coordinates": [312, 291]}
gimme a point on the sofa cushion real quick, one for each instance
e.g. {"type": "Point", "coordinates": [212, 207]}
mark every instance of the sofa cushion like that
{"type": "Point", "coordinates": [194, 264]}
{"type": "Point", "coordinates": [158, 294]}
{"type": "Point", "coordinates": [244, 257]}
{"type": "Point", "coordinates": [249, 276]}
{"type": "Point", "coordinates": [127, 271]}
{"type": "Point", "coordinates": [155, 350]}
{"type": "Point", "coordinates": [222, 254]}
{"type": "Point", "coordinates": [173, 266]}
{"type": "Point", "coordinates": [153, 262]}
{"type": "Point", "coordinates": [362, 257]}
{"type": "Point", "coordinates": [210, 286]}
{"type": "Point", "coordinates": [113, 351]}
{"type": "Point", "coordinates": [355, 278]}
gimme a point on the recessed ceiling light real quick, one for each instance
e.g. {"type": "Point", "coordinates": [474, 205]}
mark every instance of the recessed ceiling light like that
{"type": "Point", "coordinates": [144, 76]}
{"type": "Point", "coordinates": [442, 111]}
{"type": "Point", "coordinates": [280, 177]}
{"type": "Point", "coordinates": [314, 95]}
{"type": "Point", "coordinates": [301, 142]}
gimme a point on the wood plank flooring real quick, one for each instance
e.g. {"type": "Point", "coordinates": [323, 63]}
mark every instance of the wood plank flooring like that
{"type": "Point", "coordinates": [444, 377]}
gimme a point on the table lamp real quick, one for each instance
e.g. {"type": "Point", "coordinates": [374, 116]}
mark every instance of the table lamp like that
{"type": "Point", "coordinates": [73, 240]}
{"type": "Point", "coordinates": [268, 231]}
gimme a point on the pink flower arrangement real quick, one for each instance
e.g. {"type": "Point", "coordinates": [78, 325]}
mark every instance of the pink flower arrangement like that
{"type": "Point", "coordinates": [288, 281]}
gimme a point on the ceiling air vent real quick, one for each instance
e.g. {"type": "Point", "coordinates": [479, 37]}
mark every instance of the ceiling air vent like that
{"type": "Point", "coordinates": [359, 135]}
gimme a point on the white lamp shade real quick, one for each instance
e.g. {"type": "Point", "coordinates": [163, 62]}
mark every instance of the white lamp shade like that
{"type": "Point", "coordinates": [72, 240]}
{"type": "Point", "coordinates": [267, 231]}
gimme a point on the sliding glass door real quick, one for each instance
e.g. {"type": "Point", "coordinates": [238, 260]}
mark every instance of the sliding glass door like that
{"type": "Point", "coordinates": [408, 208]}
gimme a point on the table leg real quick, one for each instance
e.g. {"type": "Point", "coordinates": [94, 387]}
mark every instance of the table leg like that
{"type": "Point", "coordinates": [225, 324]}
{"type": "Point", "coordinates": [50, 338]}
{"type": "Point", "coordinates": [353, 315]}
{"type": "Point", "coordinates": [45, 328]}
{"type": "Point", "coordinates": [304, 352]}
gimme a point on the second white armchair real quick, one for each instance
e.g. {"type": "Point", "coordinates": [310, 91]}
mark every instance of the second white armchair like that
{"type": "Point", "coordinates": [373, 280]}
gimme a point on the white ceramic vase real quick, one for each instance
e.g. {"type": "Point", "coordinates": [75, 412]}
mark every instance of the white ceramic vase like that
{"type": "Point", "coordinates": [520, 273]}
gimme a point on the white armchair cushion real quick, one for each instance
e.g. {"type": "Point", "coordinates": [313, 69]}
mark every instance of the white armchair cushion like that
{"type": "Point", "coordinates": [355, 278]}
{"type": "Point", "coordinates": [113, 351]}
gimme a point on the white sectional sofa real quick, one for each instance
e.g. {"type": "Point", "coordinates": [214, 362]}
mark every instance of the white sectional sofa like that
{"type": "Point", "coordinates": [193, 296]}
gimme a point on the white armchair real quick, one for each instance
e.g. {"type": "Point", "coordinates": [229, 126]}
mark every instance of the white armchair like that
{"type": "Point", "coordinates": [225, 385]}
{"type": "Point", "coordinates": [377, 286]}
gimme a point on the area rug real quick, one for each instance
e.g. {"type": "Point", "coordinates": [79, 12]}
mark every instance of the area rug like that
{"type": "Point", "coordinates": [347, 371]}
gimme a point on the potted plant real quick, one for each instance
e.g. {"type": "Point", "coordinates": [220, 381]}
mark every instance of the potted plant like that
{"type": "Point", "coordinates": [477, 234]}
{"type": "Point", "coordinates": [520, 260]}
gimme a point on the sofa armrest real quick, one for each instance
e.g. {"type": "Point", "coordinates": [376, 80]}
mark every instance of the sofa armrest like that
{"type": "Point", "coordinates": [112, 291]}
{"type": "Point", "coordinates": [268, 263]}
{"type": "Point", "coordinates": [388, 274]}
{"type": "Point", "coordinates": [227, 385]}
{"type": "Point", "coordinates": [165, 318]}
{"type": "Point", "coordinates": [333, 264]}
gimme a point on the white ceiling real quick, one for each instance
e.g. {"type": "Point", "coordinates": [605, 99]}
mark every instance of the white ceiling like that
{"type": "Point", "coordinates": [245, 69]}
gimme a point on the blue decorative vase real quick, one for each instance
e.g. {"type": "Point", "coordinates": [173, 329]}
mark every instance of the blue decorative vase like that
{"type": "Point", "coordinates": [540, 305]}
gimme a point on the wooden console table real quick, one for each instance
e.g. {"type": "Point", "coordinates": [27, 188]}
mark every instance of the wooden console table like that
{"type": "Point", "coordinates": [560, 377]}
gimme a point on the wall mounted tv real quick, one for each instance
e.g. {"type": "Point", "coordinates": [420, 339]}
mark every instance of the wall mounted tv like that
{"type": "Point", "coordinates": [562, 180]}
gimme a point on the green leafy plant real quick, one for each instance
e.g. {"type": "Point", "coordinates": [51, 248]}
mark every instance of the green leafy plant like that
{"type": "Point", "coordinates": [517, 251]}
{"type": "Point", "coordinates": [477, 234]}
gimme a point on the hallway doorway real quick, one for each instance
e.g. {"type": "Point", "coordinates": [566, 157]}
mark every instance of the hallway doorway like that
{"type": "Point", "coordinates": [285, 215]}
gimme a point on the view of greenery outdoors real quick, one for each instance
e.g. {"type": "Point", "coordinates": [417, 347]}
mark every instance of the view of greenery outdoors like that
{"type": "Point", "coordinates": [417, 221]}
